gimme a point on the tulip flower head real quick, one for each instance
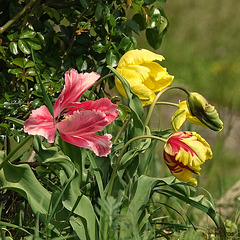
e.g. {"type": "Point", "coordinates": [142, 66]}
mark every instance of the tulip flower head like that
{"type": "Point", "coordinates": [77, 122]}
{"type": "Point", "coordinates": [206, 113]}
{"type": "Point", "coordinates": [184, 153]}
{"type": "Point", "coordinates": [144, 75]}
{"type": "Point", "coordinates": [181, 115]}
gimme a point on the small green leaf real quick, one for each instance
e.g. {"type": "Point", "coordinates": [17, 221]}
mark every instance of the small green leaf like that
{"type": "Point", "coordinates": [34, 43]}
{"type": "Point", "coordinates": [128, 43]}
{"type": "Point", "coordinates": [133, 26]}
{"type": "Point", "coordinates": [15, 71]}
{"type": "Point", "coordinates": [29, 64]}
{"type": "Point", "coordinates": [28, 33]}
{"type": "Point", "coordinates": [138, 18]}
{"type": "Point", "coordinates": [23, 46]}
{"type": "Point", "coordinates": [82, 63]}
{"type": "Point", "coordinates": [53, 13]}
{"type": "Point", "coordinates": [112, 20]}
{"type": "Point", "coordinates": [98, 12]}
{"type": "Point", "coordinates": [13, 48]}
{"type": "Point", "coordinates": [112, 58]}
{"type": "Point", "coordinates": [101, 46]}
{"type": "Point", "coordinates": [31, 72]}
{"type": "Point", "coordinates": [23, 62]}
{"type": "Point", "coordinates": [19, 62]}
{"type": "Point", "coordinates": [12, 36]}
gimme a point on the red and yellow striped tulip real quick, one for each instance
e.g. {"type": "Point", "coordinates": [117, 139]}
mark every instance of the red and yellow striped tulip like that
{"type": "Point", "coordinates": [184, 153]}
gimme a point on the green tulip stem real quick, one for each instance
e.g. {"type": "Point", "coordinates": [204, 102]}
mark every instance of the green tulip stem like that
{"type": "Point", "coordinates": [156, 99]}
{"type": "Point", "coordinates": [19, 146]}
{"type": "Point", "coordinates": [99, 82]}
{"type": "Point", "coordinates": [121, 155]}
{"type": "Point", "coordinates": [122, 129]}
{"type": "Point", "coordinates": [163, 103]}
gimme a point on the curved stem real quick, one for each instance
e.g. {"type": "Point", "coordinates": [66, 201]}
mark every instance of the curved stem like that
{"type": "Point", "coordinates": [99, 82]}
{"type": "Point", "coordinates": [157, 97]}
{"type": "Point", "coordinates": [114, 173]}
{"type": "Point", "coordinates": [121, 130]}
{"type": "Point", "coordinates": [10, 155]}
{"type": "Point", "coordinates": [163, 103]}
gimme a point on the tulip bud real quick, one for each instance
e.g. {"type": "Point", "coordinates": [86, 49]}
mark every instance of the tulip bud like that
{"type": "Point", "coordinates": [206, 113]}
{"type": "Point", "coordinates": [181, 115]}
{"type": "Point", "coordinates": [184, 153]}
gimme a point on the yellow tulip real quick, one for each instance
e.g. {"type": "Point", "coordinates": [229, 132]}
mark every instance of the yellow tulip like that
{"type": "Point", "coordinates": [144, 74]}
{"type": "Point", "coordinates": [184, 153]}
{"type": "Point", "coordinates": [181, 115]}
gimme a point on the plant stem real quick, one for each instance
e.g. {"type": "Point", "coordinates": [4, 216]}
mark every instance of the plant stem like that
{"type": "Point", "coordinates": [157, 97]}
{"type": "Point", "coordinates": [121, 130]}
{"type": "Point", "coordinates": [163, 103]}
{"type": "Point", "coordinates": [10, 155]}
{"type": "Point", "coordinates": [99, 82]}
{"type": "Point", "coordinates": [121, 155]}
{"type": "Point", "coordinates": [16, 17]}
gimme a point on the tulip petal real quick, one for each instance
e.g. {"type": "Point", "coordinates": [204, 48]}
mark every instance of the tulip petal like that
{"type": "Point", "coordinates": [83, 122]}
{"type": "Point", "coordinates": [100, 145]}
{"type": "Point", "coordinates": [135, 81]}
{"type": "Point", "coordinates": [75, 84]}
{"type": "Point", "coordinates": [138, 56]}
{"type": "Point", "coordinates": [158, 77]}
{"type": "Point", "coordinates": [103, 105]}
{"type": "Point", "coordinates": [41, 123]}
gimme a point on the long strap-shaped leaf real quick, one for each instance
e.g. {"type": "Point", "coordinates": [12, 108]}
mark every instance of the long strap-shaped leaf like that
{"type": "Point", "coordinates": [134, 104]}
{"type": "Point", "coordinates": [72, 197]}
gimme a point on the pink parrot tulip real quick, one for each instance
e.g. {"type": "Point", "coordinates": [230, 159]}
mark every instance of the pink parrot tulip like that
{"type": "Point", "coordinates": [77, 122]}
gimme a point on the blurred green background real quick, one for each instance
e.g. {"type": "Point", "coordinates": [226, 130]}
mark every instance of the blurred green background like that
{"type": "Point", "coordinates": [202, 51]}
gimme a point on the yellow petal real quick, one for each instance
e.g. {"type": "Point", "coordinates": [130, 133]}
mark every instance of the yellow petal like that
{"type": "Point", "coordinates": [159, 78]}
{"type": "Point", "coordinates": [135, 80]}
{"type": "Point", "coordinates": [186, 176]}
{"type": "Point", "coordinates": [178, 118]}
{"type": "Point", "coordinates": [138, 56]}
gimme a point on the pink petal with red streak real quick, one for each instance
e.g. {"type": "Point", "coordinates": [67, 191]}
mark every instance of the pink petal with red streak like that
{"type": "Point", "coordinates": [41, 123]}
{"type": "Point", "coordinates": [75, 84]}
{"type": "Point", "coordinates": [103, 105]}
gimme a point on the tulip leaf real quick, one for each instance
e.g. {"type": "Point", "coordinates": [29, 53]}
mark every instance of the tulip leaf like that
{"type": "Point", "coordinates": [16, 121]}
{"type": "Point", "coordinates": [141, 193]}
{"type": "Point", "coordinates": [201, 203]}
{"type": "Point", "coordinates": [21, 179]}
{"type": "Point", "coordinates": [72, 197]}
{"type": "Point", "coordinates": [134, 104]}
